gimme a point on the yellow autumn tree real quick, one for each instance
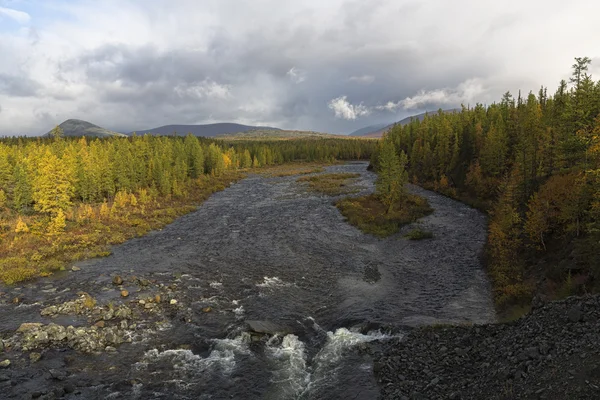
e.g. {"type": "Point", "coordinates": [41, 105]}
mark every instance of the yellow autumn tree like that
{"type": "Point", "coordinates": [104, 210]}
{"type": "Point", "coordinates": [57, 224]}
{"type": "Point", "coordinates": [21, 226]}
{"type": "Point", "coordinates": [52, 187]}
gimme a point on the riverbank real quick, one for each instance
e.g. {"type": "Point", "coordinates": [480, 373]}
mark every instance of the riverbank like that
{"type": "Point", "coordinates": [551, 353]}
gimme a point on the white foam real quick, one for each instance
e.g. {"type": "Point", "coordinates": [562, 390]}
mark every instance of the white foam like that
{"type": "Point", "coordinates": [239, 312]}
{"type": "Point", "coordinates": [23, 305]}
{"type": "Point", "coordinates": [291, 375]}
{"type": "Point", "coordinates": [339, 341]}
{"type": "Point", "coordinates": [190, 365]}
{"type": "Point", "coordinates": [216, 285]}
{"type": "Point", "coordinates": [272, 282]}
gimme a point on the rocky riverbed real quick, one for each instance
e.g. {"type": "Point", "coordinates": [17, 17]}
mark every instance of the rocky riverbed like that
{"type": "Point", "coordinates": [179, 313]}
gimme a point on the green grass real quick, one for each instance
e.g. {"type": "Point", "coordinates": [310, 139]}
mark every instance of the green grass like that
{"type": "Point", "coordinates": [418, 234]}
{"type": "Point", "coordinates": [291, 169]}
{"type": "Point", "coordinates": [369, 214]}
{"type": "Point", "coordinates": [330, 184]}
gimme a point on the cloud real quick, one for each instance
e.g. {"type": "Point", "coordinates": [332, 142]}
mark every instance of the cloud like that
{"type": "Point", "coordinates": [18, 85]}
{"type": "Point", "coordinates": [467, 92]}
{"type": "Point", "coordinates": [343, 109]}
{"type": "Point", "coordinates": [205, 89]}
{"type": "Point", "coordinates": [19, 16]}
{"type": "Point", "coordinates": [296, 75]}
{"type": "Point", "coordinates": [126, 65]}
{"type": "Point", "coordinates": [363, 79]}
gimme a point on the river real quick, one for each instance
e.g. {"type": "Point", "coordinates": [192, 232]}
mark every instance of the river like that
{"type": "Point", "coordinates": [263, 249]}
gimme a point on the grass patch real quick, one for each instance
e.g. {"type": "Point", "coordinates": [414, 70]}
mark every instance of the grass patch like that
{"type": "Point", "coordinates": [514, 312]}
{"type": "Point", "coordinates": [33, 253]}
{"type": "Point", "coordinates": [369, 215]}
{"type": "Point", "coordinates": [330, 184]}
{"type": "Point", "coordinates": [418, 234]}
{"type": "Point", "coordinates": [279, 171]}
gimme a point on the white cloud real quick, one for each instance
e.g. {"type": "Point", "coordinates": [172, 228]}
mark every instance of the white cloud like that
{"type": "Point", "coordinates": [469, 91]}
{"type": "Point", "coordinates": [19, 16]}
{"type": "Point", "coordinates": [343, 109]}
{"type": "Point", "coordinates": [363, 79]}
{"type": "Point", "coordinates": [207, 89]}
{"type": "Point", "coordinates": [296, 75]}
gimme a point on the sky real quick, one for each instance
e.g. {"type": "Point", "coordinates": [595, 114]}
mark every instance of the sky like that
{"type": "Point", "coordinates": [323, 65]}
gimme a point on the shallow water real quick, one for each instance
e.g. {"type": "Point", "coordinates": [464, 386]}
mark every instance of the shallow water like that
{"type": "Point", "coordinates": [265, 249]}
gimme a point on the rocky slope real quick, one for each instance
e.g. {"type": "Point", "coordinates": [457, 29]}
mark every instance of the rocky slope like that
{"type": "Point", "coordinates": [552, 353]}
{"type": "Point", "coordinates": [76, 127]}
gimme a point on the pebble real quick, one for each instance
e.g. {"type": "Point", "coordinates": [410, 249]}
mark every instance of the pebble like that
{"type": "Point", "coordinates": [173, 302]}
{"type": "Point", "coordinates": [5, 364]}
{"type": "Point", "coordinates": [75, 268]}
{"type": "Point", "coordinates": [117, 280]}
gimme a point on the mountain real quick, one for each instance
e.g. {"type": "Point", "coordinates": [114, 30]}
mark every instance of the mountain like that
{"type": "Point", "coordinates": [77, 127]}
{"type": "Point", "coordinates": [368, 129]}
{"type": "Point", "coordinates": [277, 134]}
{"type": "Point", "coordinates": [209, 130]}
{"type": "Point", "coordinates": [378, 132]}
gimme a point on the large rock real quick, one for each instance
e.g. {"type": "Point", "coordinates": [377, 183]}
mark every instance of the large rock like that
{"type": "Point", "coordinates": [268, 327]}
{"type": "Point", "coordinates": [29, 326]}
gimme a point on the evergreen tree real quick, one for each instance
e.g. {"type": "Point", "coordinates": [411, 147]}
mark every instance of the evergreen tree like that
{"type": "Point", "coordinates": [392, 175]}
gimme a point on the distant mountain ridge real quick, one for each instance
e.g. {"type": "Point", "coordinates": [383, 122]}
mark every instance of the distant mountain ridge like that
{"type": "Point", "coordinates": [207, 130]}
{"type": "Point", "coordinates": [368, 129]}
{"type": "Point", "coordinates": [268, 134]}
{"type": "Point", "coordinates": [77, 127]}
{"type": "Point", "coordinates": [378, 132]}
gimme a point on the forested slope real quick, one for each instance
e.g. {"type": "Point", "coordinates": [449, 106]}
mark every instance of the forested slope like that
{"type": "Point", "coordinates": [534, 163]}
{"type": "Point", "coordinates": [64, 199]}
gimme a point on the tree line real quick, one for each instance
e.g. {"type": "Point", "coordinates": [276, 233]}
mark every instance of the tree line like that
{"type": "Point", "coordinates": [49, 176]}
{"type": "Point", "coordinates": [533, 162]}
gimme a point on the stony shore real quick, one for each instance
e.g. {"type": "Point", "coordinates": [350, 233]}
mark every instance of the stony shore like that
{"type": "Point", "coordinates": [551, 353]}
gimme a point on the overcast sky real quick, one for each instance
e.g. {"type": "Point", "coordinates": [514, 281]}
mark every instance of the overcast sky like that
{"type": "Point", "coordinates": [324, 65]}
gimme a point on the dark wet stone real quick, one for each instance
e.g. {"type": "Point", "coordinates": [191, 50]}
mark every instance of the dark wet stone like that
{"type": "Point", "coordinates": [574, 314]}
{"type": "Point", "coordinates": [267, 327]}
{"type": "Point", "coordinates": [69, 388]}
{"type": "Point", "coordinates": [58, 374]}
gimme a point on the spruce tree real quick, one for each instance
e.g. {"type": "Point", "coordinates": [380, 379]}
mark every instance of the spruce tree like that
{"type": "Point", "coordinates": [392, 175]}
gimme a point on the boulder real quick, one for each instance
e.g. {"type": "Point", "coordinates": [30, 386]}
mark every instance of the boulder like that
{"type": "Point", "coordinates": [267, 327]}
{"type": "Point", "coordinates": [34, 357]}
{"type": "Point", "coordinates": [29, 326]}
